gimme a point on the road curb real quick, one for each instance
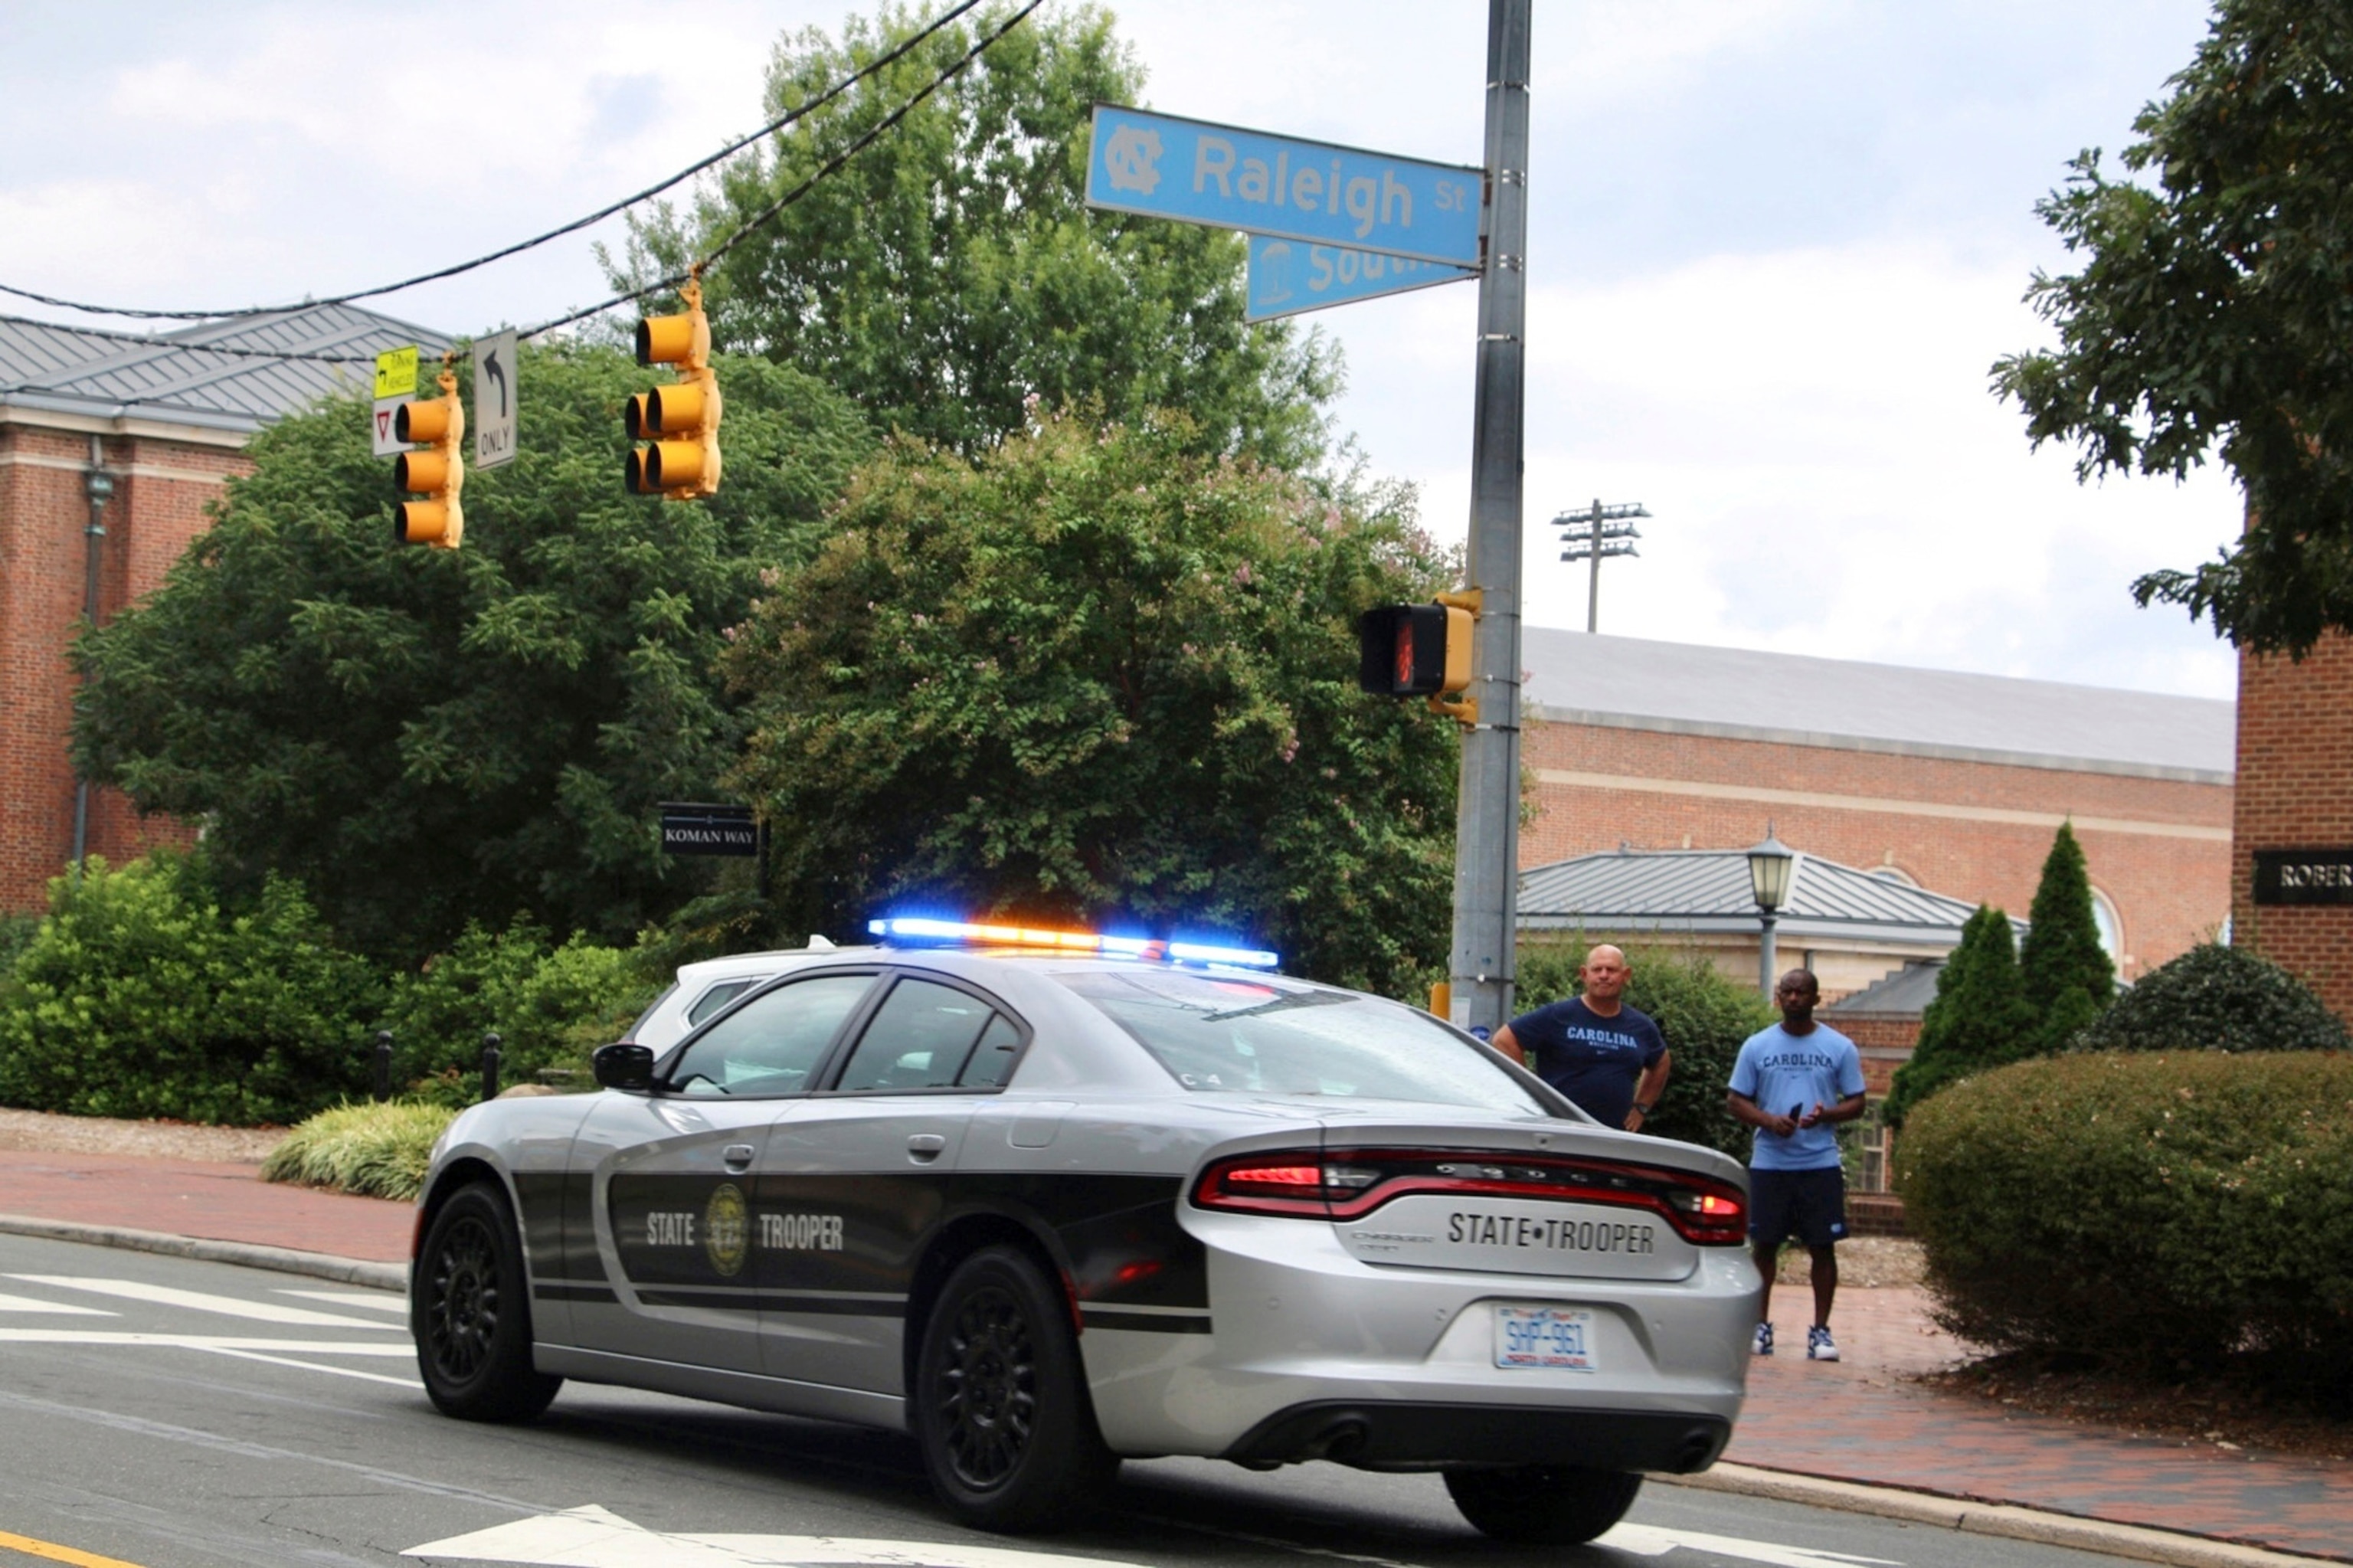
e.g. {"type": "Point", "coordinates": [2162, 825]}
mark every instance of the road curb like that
{"type": "Point", "coordinates": [248, 1255]}
{"type": "Point", "coordinates": [2004, 1519]}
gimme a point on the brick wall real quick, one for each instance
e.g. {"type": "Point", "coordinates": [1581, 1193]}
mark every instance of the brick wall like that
{"type": "Point", "coordinates": [2295, 792]}
{"type": "Point", "coordinates": [2159, 849]}
{"type": "Point", "coordinates": [162, 489]}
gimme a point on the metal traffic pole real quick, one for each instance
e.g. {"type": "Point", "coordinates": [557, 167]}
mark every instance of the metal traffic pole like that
{"type": "Point", "coordinates": [1487, 830]}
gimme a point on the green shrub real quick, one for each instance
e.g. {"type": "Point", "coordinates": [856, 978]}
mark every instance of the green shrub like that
{"type": "Point", "coordinates": [145, 992]}
{"type": "Point", "coordinates": [1703, 1014]}
{"type": "Point", "coordinates": [550, 1006]}
{"type": "Point", "coordinates": [2064, 973]}
{"type": "Point", "coordinates": [16, 936]}
{"type": "Point", "coordinates": [1977, 1020]}
{"type": "Point", "coordinates": [2150, 1210]}
{"type": "Point", "coordinates": [2217, 999]}
{"type": "Point", "coordinates": [374, 1151]}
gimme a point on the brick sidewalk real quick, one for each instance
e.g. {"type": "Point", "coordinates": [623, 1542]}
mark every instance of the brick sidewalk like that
{"type": "Point", "coordinates": [1857, 1420]}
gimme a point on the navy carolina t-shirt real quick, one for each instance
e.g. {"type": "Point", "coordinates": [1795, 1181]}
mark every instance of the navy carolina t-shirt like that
{"type": "Point", "coordinates": [1595, 1061]}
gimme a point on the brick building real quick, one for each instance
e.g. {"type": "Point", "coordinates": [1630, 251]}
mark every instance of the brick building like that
{"type": "Point", "coordinates": [1942, 780]}
{"type": "Point", "coordinates": [152, 430]}
{"type": "Point", "coordinates": [2292, 850]}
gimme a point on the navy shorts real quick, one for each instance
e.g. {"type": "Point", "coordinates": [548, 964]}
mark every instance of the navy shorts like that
{"type": "Point", "coordinates": [1808, 1204]}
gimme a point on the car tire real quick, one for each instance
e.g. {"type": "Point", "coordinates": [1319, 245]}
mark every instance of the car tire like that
{"type": "Point", "coordinates": [1550, 1505]}
{"type": "Point", "coordinates": [1001, 1410]}
{"type": "Point", "coordinates": [470, 1312]}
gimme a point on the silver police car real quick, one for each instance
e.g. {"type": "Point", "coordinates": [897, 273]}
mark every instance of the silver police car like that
{"type": "Point", "coordinates": [1050, 1201]}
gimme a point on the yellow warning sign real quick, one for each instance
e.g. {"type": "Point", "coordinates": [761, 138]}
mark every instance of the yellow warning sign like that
{"type": "Point", "coordinates": [395, 372]}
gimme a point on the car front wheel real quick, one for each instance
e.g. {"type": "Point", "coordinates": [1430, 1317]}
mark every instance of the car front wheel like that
{"type": "Point", "coordinates": [1002, 1414]}
{"type": "Point", "coordinates": [469, 1312]}
{"type": "Point", "coordinates": [1551, 1505]}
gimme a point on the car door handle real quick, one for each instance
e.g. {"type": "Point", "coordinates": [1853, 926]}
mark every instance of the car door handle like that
{"type": "Point", "coordinates": [737, 1156]}
{"type": "Point", "coordinates": [923, 1146]}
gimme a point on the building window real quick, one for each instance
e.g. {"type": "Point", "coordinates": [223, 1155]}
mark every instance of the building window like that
{"type": "Point", "coordinates": [1865, 1147]}
{"type": "Point", "coordinates": [1896, 875]}
{"type": "Point", "coordinates": [2111, 925]}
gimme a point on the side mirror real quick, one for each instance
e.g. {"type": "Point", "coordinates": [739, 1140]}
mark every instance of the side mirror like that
{"type": "Point", "coordinates": [624, 1065]}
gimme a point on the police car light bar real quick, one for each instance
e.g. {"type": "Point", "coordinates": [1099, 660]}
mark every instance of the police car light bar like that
{"type": "Point", "coordinates": [917, 928]}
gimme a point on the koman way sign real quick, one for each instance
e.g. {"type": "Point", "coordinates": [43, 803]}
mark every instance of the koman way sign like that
{"type": "Point", "coordinates": [701, 827]}
{"type": "Point", "coordinates": [1226, 178]}
{"type": "Point", "coordinates": [1287, 277]}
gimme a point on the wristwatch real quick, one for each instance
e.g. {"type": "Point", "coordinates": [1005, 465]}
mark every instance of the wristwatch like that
{"type": "Point", "coordinates": [1643, 1108]}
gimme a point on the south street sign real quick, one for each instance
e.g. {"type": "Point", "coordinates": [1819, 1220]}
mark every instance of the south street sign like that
{"type": "Point", "coordinates": [1286, 277]}
{"type": "Point", "coordinates": [1227, 177]}
{"type": "Point", "coordinates": [689, 827]}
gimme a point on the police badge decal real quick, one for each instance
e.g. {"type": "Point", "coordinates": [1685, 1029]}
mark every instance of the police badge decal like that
{"type": "Point", "coordinates": [726, 1230]}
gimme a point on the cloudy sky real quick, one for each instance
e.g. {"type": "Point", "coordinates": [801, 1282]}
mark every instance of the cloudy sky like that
{"type": "Point", "coordinates": [1773, 246]}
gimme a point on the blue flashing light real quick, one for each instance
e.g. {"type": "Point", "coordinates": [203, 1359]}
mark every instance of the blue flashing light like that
{"type": "Point", "coordinates": [922, 928]}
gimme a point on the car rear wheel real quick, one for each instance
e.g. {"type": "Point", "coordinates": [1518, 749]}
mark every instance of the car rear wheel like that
{"type": "Point", "coordinates": [469, 1312]}
{"type": "Point", "coordinates": [1552, 1505]}
{"type": "Point", "coordinates": [1002, 1414]}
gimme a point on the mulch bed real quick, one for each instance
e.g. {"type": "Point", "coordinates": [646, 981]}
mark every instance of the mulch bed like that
{"type": "Point", "coordinates": [2210, 1408]}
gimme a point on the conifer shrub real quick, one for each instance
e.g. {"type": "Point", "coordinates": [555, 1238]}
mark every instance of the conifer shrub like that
{"type": "Point", "coordinates": [2214, 998]}
{"type": "Point", "coordinates": [2064, 973]}
{"type": "Point", "coordinates": [2159, 1211]}
{"type": "Point", "coordinates": [1703, 1014]}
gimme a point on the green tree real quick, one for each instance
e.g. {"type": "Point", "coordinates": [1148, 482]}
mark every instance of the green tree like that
{"type": "Point", "coordinates": [2211, 314]}
{"type": "Point", "coordinates": [148, 992]}
{"type": "Point", "coordinates": [2064, 974]}
{"type": "Point", "coordinates": [1703, 1014]}
{"type": "Point", "coordinates": [2214, 998]}
{"type": "Point", "coordinates": [1097, 676]}
{"type": "Point", "coordinates": [424, 738]}
{"type": "Point", "coordinates": [952, 270]}
{"type": "Point", "coordinates": [1977, 1021]}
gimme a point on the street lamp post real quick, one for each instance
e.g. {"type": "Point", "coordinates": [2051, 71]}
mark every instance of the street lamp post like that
{"type": "Point", "coordinates": [1769, 865]}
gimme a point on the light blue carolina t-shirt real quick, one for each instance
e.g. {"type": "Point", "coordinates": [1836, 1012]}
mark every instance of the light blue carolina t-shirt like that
{"type": "Point", "coordinates": [1780, 1071]}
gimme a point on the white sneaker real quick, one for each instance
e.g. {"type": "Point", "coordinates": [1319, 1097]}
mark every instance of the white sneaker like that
{"type": "Point", "coordinates": [1819, 1346]}
{"type": "Point", "coordinates": [1764, 1338]}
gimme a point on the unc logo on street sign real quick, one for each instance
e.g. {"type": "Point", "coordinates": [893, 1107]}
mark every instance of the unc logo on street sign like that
{"type": "Point", "coordinates": [1226, 178]}
{"type": "Point", "coordinates": [1286, 278]}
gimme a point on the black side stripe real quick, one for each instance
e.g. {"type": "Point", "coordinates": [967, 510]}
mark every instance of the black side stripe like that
{"type": "Point", "coordinates": [777, 1301]}
{"type": "Point", "coordinates": [558, 1290]}
{"type": "Point", "coordinates": [1146, 1322]}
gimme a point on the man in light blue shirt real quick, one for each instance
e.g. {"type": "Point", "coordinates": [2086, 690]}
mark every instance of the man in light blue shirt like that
{"type": "Point", "coordinates": [1793, 1082]}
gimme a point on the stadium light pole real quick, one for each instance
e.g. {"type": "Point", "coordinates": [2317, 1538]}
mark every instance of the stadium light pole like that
{"type": "Point", "coordinates": [1592, 534]}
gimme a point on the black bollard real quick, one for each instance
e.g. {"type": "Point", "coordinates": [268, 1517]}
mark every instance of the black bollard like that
{"type": "Point", "coordinates": [383, 1065]}
{"type": "Point", "coordinates": [490, 1066]}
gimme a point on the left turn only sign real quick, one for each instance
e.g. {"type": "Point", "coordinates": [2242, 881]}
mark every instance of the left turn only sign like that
{"type": "Point", "coordinates": [395, 383]}
{"type": "Point", "coordinates": [493, 423]}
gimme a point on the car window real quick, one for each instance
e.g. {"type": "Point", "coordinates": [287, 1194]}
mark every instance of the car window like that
{"type": "Point", "coordinates": [1284, 1037]}
{"type": "Point", "coordinates": [717, 997]}
{"type": "Point", "coordinates": [772, 1043]}
{"type": "Point", "coordinates": [919, 1038]}
{"type": "Point", "coordinates": [991, 1061]}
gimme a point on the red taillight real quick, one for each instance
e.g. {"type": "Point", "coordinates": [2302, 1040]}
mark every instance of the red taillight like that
{"type": "Point", "coordinates": [1347, 1184]}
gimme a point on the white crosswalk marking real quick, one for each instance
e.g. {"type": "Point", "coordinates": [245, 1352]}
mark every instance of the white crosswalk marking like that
{"type": "Point", "coordinates": [373, 1300]}
{"type": "Point", "coordinates": [198, 1300]}
{"type": "Point", "coordinates": [27, 1303]}
{"type": "Point", "coordinates": [315, 1366]}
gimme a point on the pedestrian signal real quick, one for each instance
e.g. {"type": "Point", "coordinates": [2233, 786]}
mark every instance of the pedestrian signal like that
{"type": "Point", "coordinates": [680, 421]}
{"type": "Point", "coordinates": [432, 468]}
{"type": "Point", "coordinates": [1420, 650]}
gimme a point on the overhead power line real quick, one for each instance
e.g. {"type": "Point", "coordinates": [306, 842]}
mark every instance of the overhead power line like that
{"type": "Point", "coordinates": [519, 247]}
{"type": "Point", "coordinates": [181, 343]}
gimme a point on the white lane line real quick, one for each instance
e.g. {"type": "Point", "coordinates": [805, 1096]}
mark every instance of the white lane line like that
{"type": "Point", "coordinates": [198, 1300]}
{"type": "Point", "coordinates": [27, 1303]}
{"type": "Point", "coordinates": [594, 1537]}
{"type": "Point", "coordinates": [318, 1366]}
{"type": "Point", "coordinates": [373, 1300]}
{"type": "Point", "coordinates": [1648, 1541]}
{"type": "Point", "coordinates": [196, 1342]}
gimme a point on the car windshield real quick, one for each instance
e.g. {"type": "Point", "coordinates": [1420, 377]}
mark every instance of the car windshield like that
{"type": "Point", "coordinates": [1282, 1037]}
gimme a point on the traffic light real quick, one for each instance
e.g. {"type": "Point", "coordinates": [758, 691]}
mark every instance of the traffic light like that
{"type": "Point", "coordinates": [433, 469]}
{"type": "Point", "coordinates": [1420, 651]}
{"type": "Point", "coordinates": [680, 421]}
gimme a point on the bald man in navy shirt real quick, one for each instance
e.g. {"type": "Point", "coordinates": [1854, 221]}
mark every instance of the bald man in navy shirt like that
{"type": "Point", "coordinates": [1606, 1057]}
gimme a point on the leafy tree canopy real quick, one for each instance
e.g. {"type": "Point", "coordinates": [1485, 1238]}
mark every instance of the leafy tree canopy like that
{"type": "Point", "coordinates": [2065, 976]}
{"type": "Point", "coordinates": [1977, 1020]}
{"type": "Point", "coordinates": [952, 270]}
{"type": "Point", "coordinates": [2214, 998]}
{"type": "Point", "coordinates": [1098, 676]}
{"type": "Point", "coordinates": [425, 738]}
{"type": "Point", "coordinates": [2213, 314]}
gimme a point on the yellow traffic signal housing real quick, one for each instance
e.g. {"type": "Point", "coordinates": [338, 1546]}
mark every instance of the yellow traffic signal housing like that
{"type": "Point", "coordinates": [1420, 651]}
{"type": "Point", "coordinates": [680, 421]}
{"type": "Point", "coordinates": [435, 470]}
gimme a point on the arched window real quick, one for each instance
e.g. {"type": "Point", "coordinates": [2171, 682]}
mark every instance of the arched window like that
{"type": "Point", "coordinates": [1896, 875]}
{"type": "Point", "coordinates": [2111, 925]}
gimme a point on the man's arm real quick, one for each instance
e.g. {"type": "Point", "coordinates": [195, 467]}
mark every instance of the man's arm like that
{"type": "Point", "coordinates": [1509, 1045]}
{"type": "Point", "coordinates": [1647, 1090]}
{"type": "Point", "coordinates": [1748, 1111]}
{"type": "Point", "coordinates": [1846, 1109]}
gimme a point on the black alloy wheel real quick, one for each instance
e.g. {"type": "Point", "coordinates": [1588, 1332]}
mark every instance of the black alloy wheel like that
{"type": "Point", "coordinates": [468, 1313]}
{"type": "Point", "coordinates": [1548, 1505]}
{"type": "Point", "coordinates": [1002, 1414]}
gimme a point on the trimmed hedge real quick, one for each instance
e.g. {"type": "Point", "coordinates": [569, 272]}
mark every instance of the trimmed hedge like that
{"type": "Point", "coordinates": [2148, 1210]}
{"type": "Point", "coordinates": [2214, 998]}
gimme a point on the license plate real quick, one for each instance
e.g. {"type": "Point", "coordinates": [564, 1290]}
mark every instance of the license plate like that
{"type": "Point", "coordinates": [1561, 1338]}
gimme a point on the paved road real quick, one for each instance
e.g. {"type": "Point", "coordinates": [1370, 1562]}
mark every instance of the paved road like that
{"type": "Point", "coordinates": [165, 1413]}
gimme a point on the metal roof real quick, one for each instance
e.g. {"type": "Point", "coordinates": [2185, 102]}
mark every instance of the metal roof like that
{"type": "Point", "coordinates": [1576, 677]}
{"type": "Point", "coordinates": [1905, 994]}
{"type": "Point", "coordinates": [1696, 892]}
{"type": "Point", "coordinates": [184, 377]}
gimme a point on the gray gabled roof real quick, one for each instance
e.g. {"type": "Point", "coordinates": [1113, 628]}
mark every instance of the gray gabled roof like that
{"type": "Point", "coordinates": [186, 378]}
{"type": "Point", "coordinates": [1906, 993]}
{"type": "Point", "coordinates": [1683, 688]}
{"type": "Point", "coordinates": [1696, 892]}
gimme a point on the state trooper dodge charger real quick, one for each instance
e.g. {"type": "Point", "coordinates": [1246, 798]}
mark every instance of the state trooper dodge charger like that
{"type": "Point", "coordinates": [1047, 1199]}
